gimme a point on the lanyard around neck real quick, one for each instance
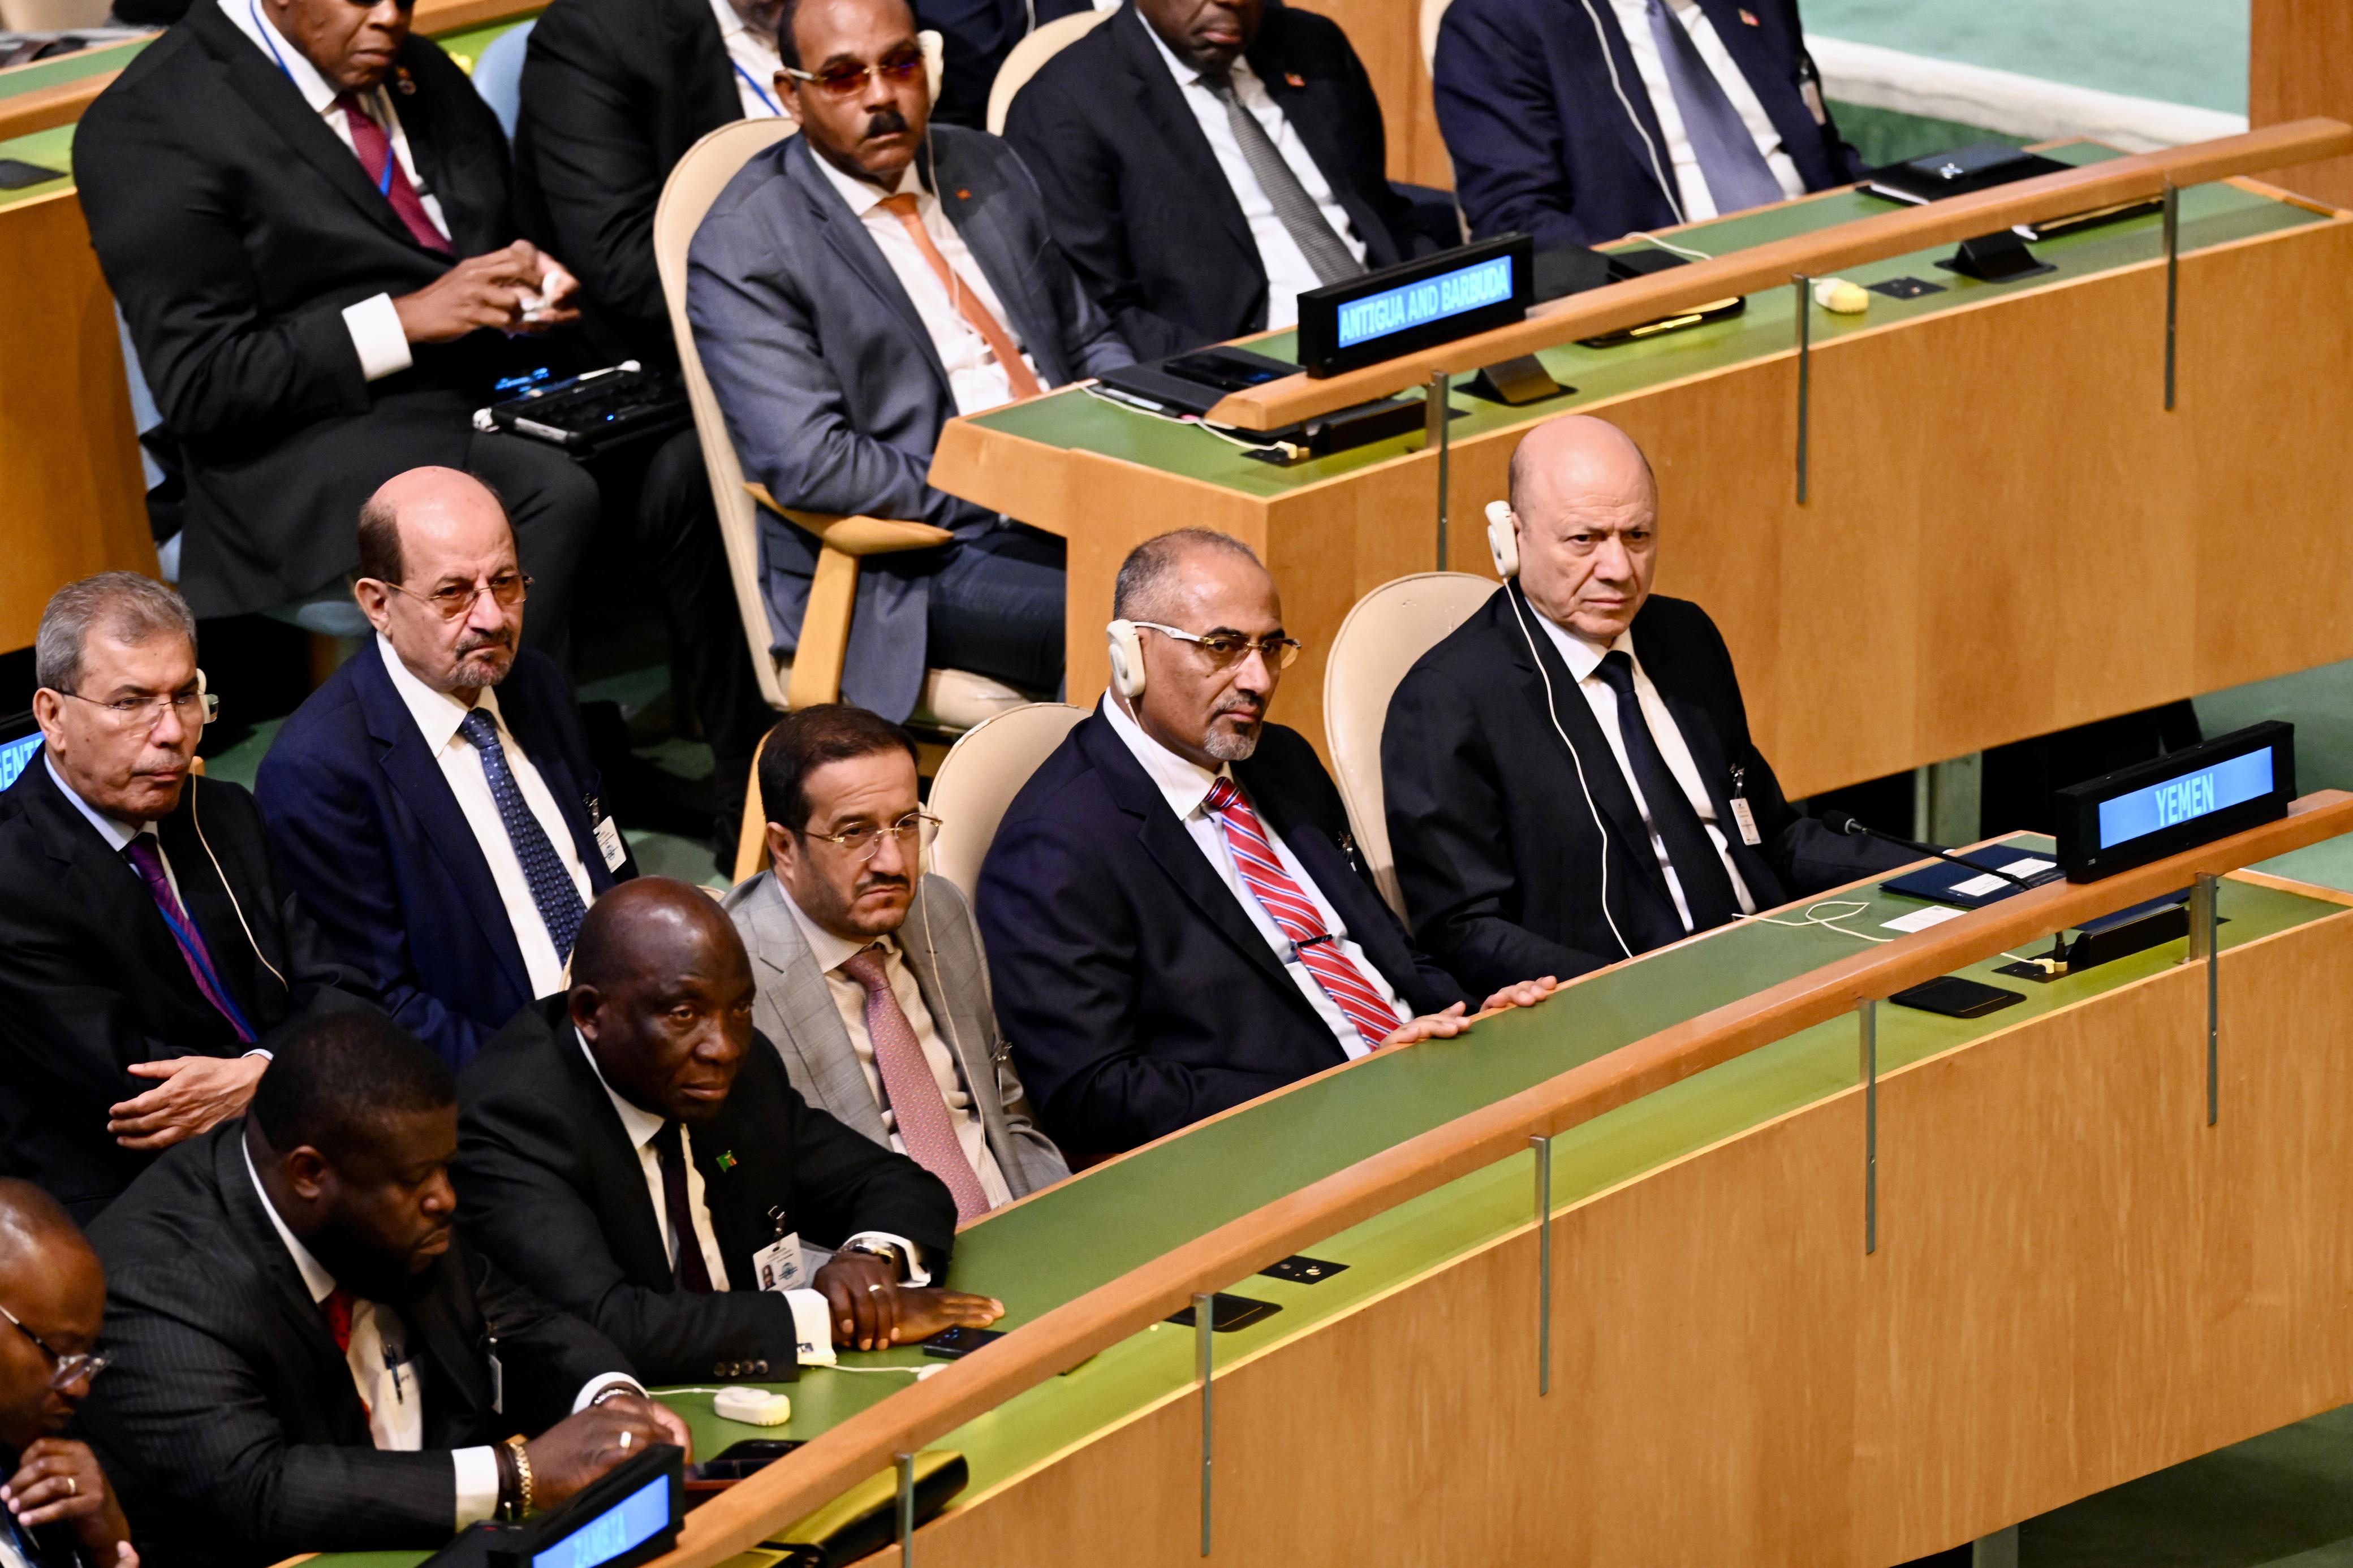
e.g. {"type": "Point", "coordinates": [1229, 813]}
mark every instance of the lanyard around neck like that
{"type": "Point", "coordinates": [757, 90]}
{"type": "Point", "coordinates": [383, 178]}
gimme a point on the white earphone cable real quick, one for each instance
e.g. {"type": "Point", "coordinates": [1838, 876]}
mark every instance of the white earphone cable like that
{"type": "Point", "coordinates": [1552, 711]}
{"type": "Point", "coordinates": [1657, 172]}
{"type": "Point", "coordinates": [197, 822]}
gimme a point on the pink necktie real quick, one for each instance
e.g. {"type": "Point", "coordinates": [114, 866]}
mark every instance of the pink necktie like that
{"type": "Point", "coordinates": [374, 150]}
{"type": "Point", "coordinates": [1288, 905]}
{"type": "Point", "coordinates": [917, 1106]}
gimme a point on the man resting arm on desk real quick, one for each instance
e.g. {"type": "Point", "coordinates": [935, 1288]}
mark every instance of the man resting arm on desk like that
{"type": "Point", "coordinates": [303, 1355]}
{"type": "Point", "coordinates": [633, 1149]}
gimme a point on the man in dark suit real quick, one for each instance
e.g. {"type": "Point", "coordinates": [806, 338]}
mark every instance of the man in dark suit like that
{"type": "Point", "coordinates": [1205, 161]}
{"type": "Point", "coordinates": [329, 293]}
{"type": "Point", "coordinates": [150, 953]}
{"type": "Point", "coordinates": [1578, 123]}
{"type": "Point", "coordinates": [61, 1511]}
{"type": "Point", "coordinates": [434, 802]}
{"type": "Point", "coordinates": [1177, 916]}
{"type": "Point", "coordinates": [849, 298]}
{"type": "Point", "coordinates": [306, 1358]}
{"type": "Point", "coordinates": [1569, 775]}
{"type": "Point", "coordinates": [633, 1150]}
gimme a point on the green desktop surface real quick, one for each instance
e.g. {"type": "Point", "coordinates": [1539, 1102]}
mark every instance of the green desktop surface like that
{"type": "Point", "coordinates": [1041, 1254]}
{"type": "Point", "coordinates": [2211, 215]}
{"type": "Point", "coordinates": [95, 60]}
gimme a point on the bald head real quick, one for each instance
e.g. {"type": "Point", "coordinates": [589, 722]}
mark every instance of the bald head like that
{"type": "Point", "coordinates": [661, 990]}
{"type": "Point", "coordinates": [50, 1280]}
{"type": "Point", "coordinates": [1585, 505]}
{"type": "Point", "coordinates": [427, 538]}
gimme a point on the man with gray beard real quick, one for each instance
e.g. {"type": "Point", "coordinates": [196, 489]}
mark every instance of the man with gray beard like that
{"type": "Point", "coordinates": [436, 796]}
{"type": "Point", "coordinates": [1176, 917]}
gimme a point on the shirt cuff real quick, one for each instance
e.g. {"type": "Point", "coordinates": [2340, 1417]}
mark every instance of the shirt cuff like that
{"type": "Point", "coordinates": [477, 1484]}
{"type": "Point", "coordinates": [599, 1385]}
{"type": "Point", "coordinates": [376, 334]}
{"type": "Point", "coordinates": [919, 1274]}
{"type": "Point", "coordinates": [812, 1327]}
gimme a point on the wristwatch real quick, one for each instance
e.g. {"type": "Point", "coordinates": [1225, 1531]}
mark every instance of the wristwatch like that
{"type": "Point", "coordinates": [893, 1255]}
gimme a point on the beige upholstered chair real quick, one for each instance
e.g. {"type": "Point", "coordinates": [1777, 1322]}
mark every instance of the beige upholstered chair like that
{"type": "Point", "coordinates": [1390, 630]}
{"type": "Point", "coordinates": [984, 771]}
{"type": "Point", "coordinates": [1022, 62]}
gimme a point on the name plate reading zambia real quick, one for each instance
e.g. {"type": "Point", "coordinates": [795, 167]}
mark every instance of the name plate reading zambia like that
{"type": "Point", "coordinates": [2190, 798]}
{"type": "Point", "coordinates": [1414, 304]}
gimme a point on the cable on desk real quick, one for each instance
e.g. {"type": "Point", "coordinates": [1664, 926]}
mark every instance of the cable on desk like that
{"type": "Point", "coordinates": [1849, 909]}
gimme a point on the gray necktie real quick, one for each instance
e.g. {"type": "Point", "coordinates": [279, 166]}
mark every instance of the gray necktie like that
{"type": "Point", "coordinates": [1738, 175]}
{"type": "Point", "coordinates": [1300, 216]}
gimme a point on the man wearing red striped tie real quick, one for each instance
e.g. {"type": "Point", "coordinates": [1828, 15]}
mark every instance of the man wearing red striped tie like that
{"type": "Point", "coordinates": [1175, 914]}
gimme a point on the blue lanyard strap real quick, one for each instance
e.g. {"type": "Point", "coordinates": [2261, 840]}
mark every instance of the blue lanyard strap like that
{"type": "Point", "coordinates": [384, 177]}
{"type": "Point", "coordinates": [757, 90]}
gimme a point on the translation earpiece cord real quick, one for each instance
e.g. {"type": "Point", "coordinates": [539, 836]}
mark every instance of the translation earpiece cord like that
{"type": "Point", "coordinates": [1195, 421]}
{"type": "Point", "coordinates": [1848, 908]}
{"type": "Point", "coordinates": [196, 820]}
{"type": "Point", "coordinates": [1682, 250]}
{"type": "Point", "coordinates": [1665, 187]}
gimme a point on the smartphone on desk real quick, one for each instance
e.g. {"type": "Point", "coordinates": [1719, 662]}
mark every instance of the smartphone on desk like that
{"type": "Point", "coordinates": [738, 1460]}
{"type": "Point", "coordinates": [950, 1344]}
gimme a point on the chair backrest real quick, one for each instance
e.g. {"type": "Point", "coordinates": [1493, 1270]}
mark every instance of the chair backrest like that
{"type": "Point", "coordinates": [1432, 13]}
{"type": "Point", "coordinates": [1022, 62]}
{"type": "Point", "coordinates": [692, 186]}
{"type": "Point", "coordinates": [498, 74]}
{"type": "Point", "coordinates": [979, 777]}
{"type": "Point", "coordinates": [1389, 630]}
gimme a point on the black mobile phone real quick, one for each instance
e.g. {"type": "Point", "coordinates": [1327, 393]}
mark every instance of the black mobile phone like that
{"type": "Point", "coordinates": [1957, 998]}
{"type": "Point", "coordinates": [737, 1461]}
{"type": "Point", "coordinates": [950, 1344]}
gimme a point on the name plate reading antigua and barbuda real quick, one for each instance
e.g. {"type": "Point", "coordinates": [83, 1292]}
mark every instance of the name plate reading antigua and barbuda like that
{"type": "Point", "coordinates": [1415, 303]}
{"type": "Point", "coordinates": [2150, 810]}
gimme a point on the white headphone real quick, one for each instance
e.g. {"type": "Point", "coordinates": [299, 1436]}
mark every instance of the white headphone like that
{"type": "Point", "coordinates": [1126, 660]}
{"type": "Point", "coordinates": [1504, 544]}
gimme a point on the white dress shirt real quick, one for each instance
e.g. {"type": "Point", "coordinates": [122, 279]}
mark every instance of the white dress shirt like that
{"type": "Point", "coordinates": [1287, 272]}
{"type": "Point", "coordinates": [755, 62]}
{"type": "Point", "coordinates": [438, 716]}
{"type": "Point", "coordinates": [832, 953]}
{"type": "Point", "coordinates": [974, 377]}
{"type": "Point", "coordinates": [373, 325]}
{"type": "Point", "coordinates": [1186, 785]}
{"type": "Point", "coordinates": [1583, 659]}
{"type": "Point", "coordinates": [386, 1374]}
{"type": "Point", "coordinates": [1634, 21]}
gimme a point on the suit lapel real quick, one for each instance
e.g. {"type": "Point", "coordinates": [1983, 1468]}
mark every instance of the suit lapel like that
{"type": "Point", "coordinates": [1768, 77]}
{"type": "Point", "coordinates": [847, 239]}
{"type": "Point", "coordinates": [1324, 864]}
{"type": "Point", "coordinates": [210, 905]}
{"type": "Point", "coordinates": [1177, 134]}
{"type": "Point", "coordinates": [279, 105]}
{"type": "Point", "coordinates": [975, 214]}
{"type": "Point", "coordinates": [538, 740]}
{"type": "Point", "coordinates": [1613, 41]}
{"type": "Point", "coordinates": [402, 755]}
{"type": "Point", "coordinates": [957, 1024]}
{"type": "Point", "coordinates": [811, 1034]}
{"type": "Point", "coordinates": [1306, 106]}
{"type": "Point", "coordinates": [1707, 755]}
{"type": "Point", "coordinates": [614, 1168]}
{"type": "Point", "coordinates": [251, 1226]}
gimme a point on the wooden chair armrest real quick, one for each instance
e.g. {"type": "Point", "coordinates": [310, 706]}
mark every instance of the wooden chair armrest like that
{"type": "Point", "coordinates": [854, 535]}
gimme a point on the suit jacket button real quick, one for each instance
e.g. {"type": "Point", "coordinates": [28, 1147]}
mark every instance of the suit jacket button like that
{"type": "Point", "coordinates": [718, 1368]}
{"type": "Point", "coordinates": [760, 1367]}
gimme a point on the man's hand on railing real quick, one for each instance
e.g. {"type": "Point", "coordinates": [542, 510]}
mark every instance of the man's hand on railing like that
{"type": "Point", "coordinates": [871, 1310]}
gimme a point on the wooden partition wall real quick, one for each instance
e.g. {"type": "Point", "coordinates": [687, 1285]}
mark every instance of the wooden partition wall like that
{"type": "Point", "coordinates": [2300, 63]}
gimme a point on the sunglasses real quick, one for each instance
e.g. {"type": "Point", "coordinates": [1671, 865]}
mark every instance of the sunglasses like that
{"type": "Point", "coordinates": [843, 78]}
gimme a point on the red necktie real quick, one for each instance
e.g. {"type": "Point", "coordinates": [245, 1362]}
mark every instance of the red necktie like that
{"type": "Point", "coordinates": [337, 1306]}
{"type": "Point", "coordinates": [374, 150]}
{"type": "Point", "coordinates": [918, 1108]}
{"type": "Point", "coordinates": [1288, 905]}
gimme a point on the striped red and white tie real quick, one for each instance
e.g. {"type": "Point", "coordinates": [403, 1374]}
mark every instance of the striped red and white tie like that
{"type": "Point", "coordinates": [1288, 905]}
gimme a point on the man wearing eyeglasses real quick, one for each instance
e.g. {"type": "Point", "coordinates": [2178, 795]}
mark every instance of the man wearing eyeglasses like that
{"type": "Point", "coordinates": [60, 1508]}
{"type": "Point", "coordinates": [872, 982]}
{"type": "Point", "coordinates": [1177, 918]}
{"type": "Point", "coordinates": [852, 290]}
{"type": "Point", "coordinates": [150, 951]}
{"type": "Point", "coordinates": [304, 212]}
{"type": "Point", "coordinates": [434, 800]}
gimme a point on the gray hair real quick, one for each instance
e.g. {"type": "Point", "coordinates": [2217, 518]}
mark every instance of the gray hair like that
{"type": "Point", "coordinates": [125, 606]}
{"type": "Point", "coordinates": [1149, 573]}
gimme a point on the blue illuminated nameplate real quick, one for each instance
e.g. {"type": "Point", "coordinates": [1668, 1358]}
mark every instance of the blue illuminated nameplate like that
{"type": "Point", "coordinates": [1394, 310]}
{"type": "Point", "coordinates": [14, 756]}
{"type": "Point", "coordinates": [1416, 304]}
{"type": "Point", "coordinates": [2183, 799]}
{"type": "Point", "coordinates": [630, 1522]}
{"type": "Point", "coordinates": [2175, 800]}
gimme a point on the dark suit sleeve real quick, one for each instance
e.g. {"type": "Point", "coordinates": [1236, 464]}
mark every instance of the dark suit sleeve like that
{"type": "Point", "coordinates": [1090, 343]}
{"type": "Point", "coordinates": [584, 129]}
{"type": "Point", "coordinates": [198, 1422]}
{"type": "Point", "coordinates": [1502, 127]}
{"type": "Point", "coordinates": [168, 227]}
{"type": "Point", "coordinates": [848, 1184]}
{"type": "Point", "coordinates": [333, 848]}
{"type": "Point", "coordinates": [547, 1355]}
{"type": "Point", "coordinates": [1444, 802]}
{"type": "Point", "coordinates": [1078, 173]}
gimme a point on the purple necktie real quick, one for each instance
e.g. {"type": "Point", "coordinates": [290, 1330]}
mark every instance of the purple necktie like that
{"type": "Point", "coordinates": [147, 858]}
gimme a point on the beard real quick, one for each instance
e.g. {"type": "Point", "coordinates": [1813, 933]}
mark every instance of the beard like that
{"type": "Point", "coordinates": [1228, 745]}
{"type": "Point", "coordinates": [483, 661]}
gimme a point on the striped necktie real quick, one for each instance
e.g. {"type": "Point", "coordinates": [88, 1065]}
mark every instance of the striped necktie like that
{"type": "Point", "coordinates": [1295, 914]}
{"type": "Point", "coordinates": [146, 857]}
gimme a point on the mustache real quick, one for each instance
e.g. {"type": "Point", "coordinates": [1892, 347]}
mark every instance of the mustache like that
{"type": "Point", "coordinates": [875, 880]}
{"type": "Point", "coordinates": [485, 640]}
{"type": "Point", "coordinates": [885, 122]}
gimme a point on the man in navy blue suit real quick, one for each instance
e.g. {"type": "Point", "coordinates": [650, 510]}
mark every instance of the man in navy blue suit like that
{"type": "Point", "coordinates": [1580, 120]}
{"type": "Point", "coordinates": [1176, 917]}
{"type": "Point", "coordinates": [435, 796]}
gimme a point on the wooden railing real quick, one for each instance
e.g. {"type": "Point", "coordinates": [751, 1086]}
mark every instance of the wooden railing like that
{"type": "Point", "coordinates": [1293, 398]}
{"type": "Point", "coordinates": [754, 1508]}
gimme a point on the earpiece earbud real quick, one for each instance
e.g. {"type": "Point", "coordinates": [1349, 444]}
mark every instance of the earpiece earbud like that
{"type": "Point", "coordinates": [1503, 540]}
{"type": "Point", "coordinates": [1126, 660]}
{"type": "Point", "coordinates": [206, 702]}
{"type": "Point", "coordinates": [935, 52]}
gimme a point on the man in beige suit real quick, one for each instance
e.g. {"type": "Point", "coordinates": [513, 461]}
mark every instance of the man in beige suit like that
{"type": "Point", "coordinates": [872, 979]}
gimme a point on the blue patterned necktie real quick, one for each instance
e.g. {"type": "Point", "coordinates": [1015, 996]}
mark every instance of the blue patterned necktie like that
{"type": "Point", "coordinates": [1738, 175]}
{"type": "Point", "coordinates": [552, 888]}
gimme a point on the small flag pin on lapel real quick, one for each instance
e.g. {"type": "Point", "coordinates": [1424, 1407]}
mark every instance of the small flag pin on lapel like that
{"type": "Point", "coordinates": [1294, 79]}
{"type": "Point", "coordinates": [963, 195]}
{"type": "Point", "coordinates": [726, 1161]}
{"type": "Point", "coordinates": [1750, 18]}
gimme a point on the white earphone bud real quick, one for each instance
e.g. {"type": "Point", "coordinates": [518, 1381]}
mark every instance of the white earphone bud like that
{"type": "Point", "coordinates": [1126, 660]}
{"type": "Point", "coordinates": [1503, 540]}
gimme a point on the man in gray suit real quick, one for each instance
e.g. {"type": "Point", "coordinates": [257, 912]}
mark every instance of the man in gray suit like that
{"type": "Point", "coordinates": [872, 979]}
{"type": "Point", "coordinates": [852, 290]}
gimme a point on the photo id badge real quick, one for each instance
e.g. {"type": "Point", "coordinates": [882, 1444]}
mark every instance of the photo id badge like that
{"type": "Point", "coordinates": [778, 1266]}
{"type": "Point", "coordinates": [1746, 820]}
{"type": "Point", "coordinates": [609, 843]}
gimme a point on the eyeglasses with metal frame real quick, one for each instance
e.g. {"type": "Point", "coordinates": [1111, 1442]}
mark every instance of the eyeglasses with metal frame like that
{"type": "Point", "coordinates": [1229, 648]}
{"type": "Point", "coordinates": [863, 840]}
{"type": "Point", "coordinates": [844, 79]}
{"type": "Point", "coordinates": [66, 1370]}
{"type": "Point", "coordinates": [507, 590]}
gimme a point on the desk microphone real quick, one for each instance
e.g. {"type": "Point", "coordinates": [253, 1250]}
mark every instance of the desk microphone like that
{"type": "Point", "coordinates": [1840, 822]}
